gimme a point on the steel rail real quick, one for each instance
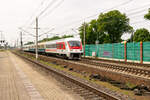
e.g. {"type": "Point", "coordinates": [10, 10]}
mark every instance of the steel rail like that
{"type": "Point", "coordinates": [75, 80]}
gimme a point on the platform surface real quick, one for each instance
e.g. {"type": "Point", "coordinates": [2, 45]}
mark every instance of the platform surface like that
{"type": "Point", "coordinates": [20, 81]}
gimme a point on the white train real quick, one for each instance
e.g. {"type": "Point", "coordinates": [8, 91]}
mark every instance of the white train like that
{"type": "Point", "coordinates": [70, 48]}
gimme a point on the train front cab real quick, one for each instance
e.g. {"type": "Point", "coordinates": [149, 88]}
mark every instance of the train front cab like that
{"type": "Point", "coordinates": [75, 48]}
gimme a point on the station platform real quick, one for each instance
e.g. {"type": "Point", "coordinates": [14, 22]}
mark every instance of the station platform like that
{"type": "Point", "coordinates": [20, 81]}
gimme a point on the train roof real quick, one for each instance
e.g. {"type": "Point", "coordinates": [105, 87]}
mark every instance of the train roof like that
{"type": "Point", "coordinates": [64, 39]}
{"type": "Point", "coordinates": [53, 41]}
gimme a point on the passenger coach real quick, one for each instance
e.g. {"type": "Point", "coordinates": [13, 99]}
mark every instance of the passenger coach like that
{"type": "Point", "coordinates": [70, 48]}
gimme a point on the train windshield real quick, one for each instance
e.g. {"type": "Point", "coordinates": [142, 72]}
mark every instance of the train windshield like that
{"type": "Point", "coordinates": [74, 43]}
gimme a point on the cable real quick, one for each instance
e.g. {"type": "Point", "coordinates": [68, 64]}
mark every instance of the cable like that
{"type": "Point", "coordinates": [49, 5]}
{"type": "Point", "coordinates": [116, 6]}
{"type": "Point", "coordinates": [30, 18]}
{"type": "Point", "coordinates": [147, 5]}
{"type": "Point", "coordinates": [130, 14]}
{"type": "Point", "coordinates": [47, 32]}
{"type": "Point", "coordinates": [139, 22]}
{"type": "Point", "coordinates": [55, 7]}
{"type": "Point", "coordinates": [137, 16]}
{"type": "Point", "coordinates": [124, 3]}
{"type": "Point", "coordinates": [95, 14]}
{"type": "Point", "coordinates": [27, 32]}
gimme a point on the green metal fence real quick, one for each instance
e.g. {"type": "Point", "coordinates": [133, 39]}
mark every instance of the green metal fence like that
{"type": "Point", "coordinates": [133, 51]}
{"type": "Point", "coordinates": [117, 51]}
{"type": "Point", "coordinates": [146, 51]}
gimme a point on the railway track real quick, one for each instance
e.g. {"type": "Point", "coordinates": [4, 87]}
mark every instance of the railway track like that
{"type": "Point", "coordinates": [121, 63]}
{"type": "Point", "coordinates": [137, 73]}
{"type": "Point", "coordinates": [82, 87]}
{"type": "Point", "coordinates": [122, 68]}
{"type": "Point", "coordinates": [133, 70]}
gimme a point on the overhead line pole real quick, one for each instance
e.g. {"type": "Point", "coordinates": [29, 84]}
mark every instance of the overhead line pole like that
{"type": "Point", "coordinates": [36, 38]}
{"type": "Point", "coordinates": [84, 38]}
{"type": "Point", "coordinates": [1, 35]}
{"type": "Point", "coordinates": [17, 43]}
{"type": "Point", "coordinates": [21, 43]}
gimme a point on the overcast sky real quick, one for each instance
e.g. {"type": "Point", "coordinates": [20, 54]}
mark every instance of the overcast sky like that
{"type": "Point", "coordinates": [63, 15]}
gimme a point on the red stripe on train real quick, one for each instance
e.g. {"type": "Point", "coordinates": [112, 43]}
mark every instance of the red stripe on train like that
{"type": "Point", "coordinates": [51, 50]}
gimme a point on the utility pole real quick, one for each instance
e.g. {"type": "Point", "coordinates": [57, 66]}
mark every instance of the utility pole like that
{"type": "Point", "coordinates": [46, 36]}
{"type": "Point", "coordinates": [1, 35]}
{"type": "Point", "coordinates": [84, 39]}
{"type": "Point", "coordinates": [21, 43]}
{"type": "Point", "coordinates": [36, 38]}
{"type": "Point", "coordinates": [17, 43]}
{"type": "Point", "coordinates": [1, 41]}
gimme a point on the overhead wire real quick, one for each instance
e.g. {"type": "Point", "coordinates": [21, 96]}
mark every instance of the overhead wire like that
{"type": "Point", "coordinates": [116, 6]}
{"type": "Point", "coordinates": [55, 7]}
{"type": "Point", "coordinates": [44, 9]}
{"type": "Point", "coordinates": [137, 12]}
{"type": "Point", "coordinates": [139, 22]}
{"type": "Point", "coordinates": [53, 1]}
{"type": "Point", "coordinates": [140, 15]}
{"type": "Point", "coordinates": [130, 14]}
{"type": "Point", "coordinates": [32, 15]}
{"type": "Point", "coordinates": [51, 10]}
{"type": "Point", "coordinates": [137, 8]}
{"type": "Point", "coordinates": [124, 3]}
{"type": "Point", "coordinates": [48, 6]}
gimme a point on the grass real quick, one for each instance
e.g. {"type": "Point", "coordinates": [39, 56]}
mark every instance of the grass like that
{"type": "Point", "coordinates": [130, 85]}
{"type": "Point", "coordinates": [1, 50]}
{"type": "Point", "coordinates": [105, 84]}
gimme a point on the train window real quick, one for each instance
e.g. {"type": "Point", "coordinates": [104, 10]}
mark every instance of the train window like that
{"type": "Point", "coordinates": [47, 46]}
{"type": "Point", "coordinates": [58, 46]}
{"type": "Point", "coordinates": [51, 46]}
{"type": "Point", "coordinates": [61, 46]}
{"type": "Point", "coordinates": [74, 43]}
{"type": "Point", "coordinates": [42, 46]}
{"type": "Point", "coordinates": [38, 46]}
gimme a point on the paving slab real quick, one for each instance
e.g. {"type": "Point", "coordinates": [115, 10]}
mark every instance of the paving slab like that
{"type": "Point", "coordinates": [11, 86]}
{"type": "Point", "coordinates": [20, 81]}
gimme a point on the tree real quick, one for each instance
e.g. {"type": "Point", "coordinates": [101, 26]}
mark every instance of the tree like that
{"type": "Point", "coordinates": [141, 35]}
{"type": "Point", "coordinates": [147, 16]}
{"type": "Point", "coordinates": [91, 33]}
{"type": "Point", "coordinates": [81, 32]}
{"type": "Point", "coordinates": [55, 38]}
{"type": "Point", "coordinates": [108, 28]}
{"type": "Point", "coordinates": [28, 43]}
{"type": "Point", "coordinates": [130, 39]}
{"type": "Point", "coordinates": [114, 24]}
